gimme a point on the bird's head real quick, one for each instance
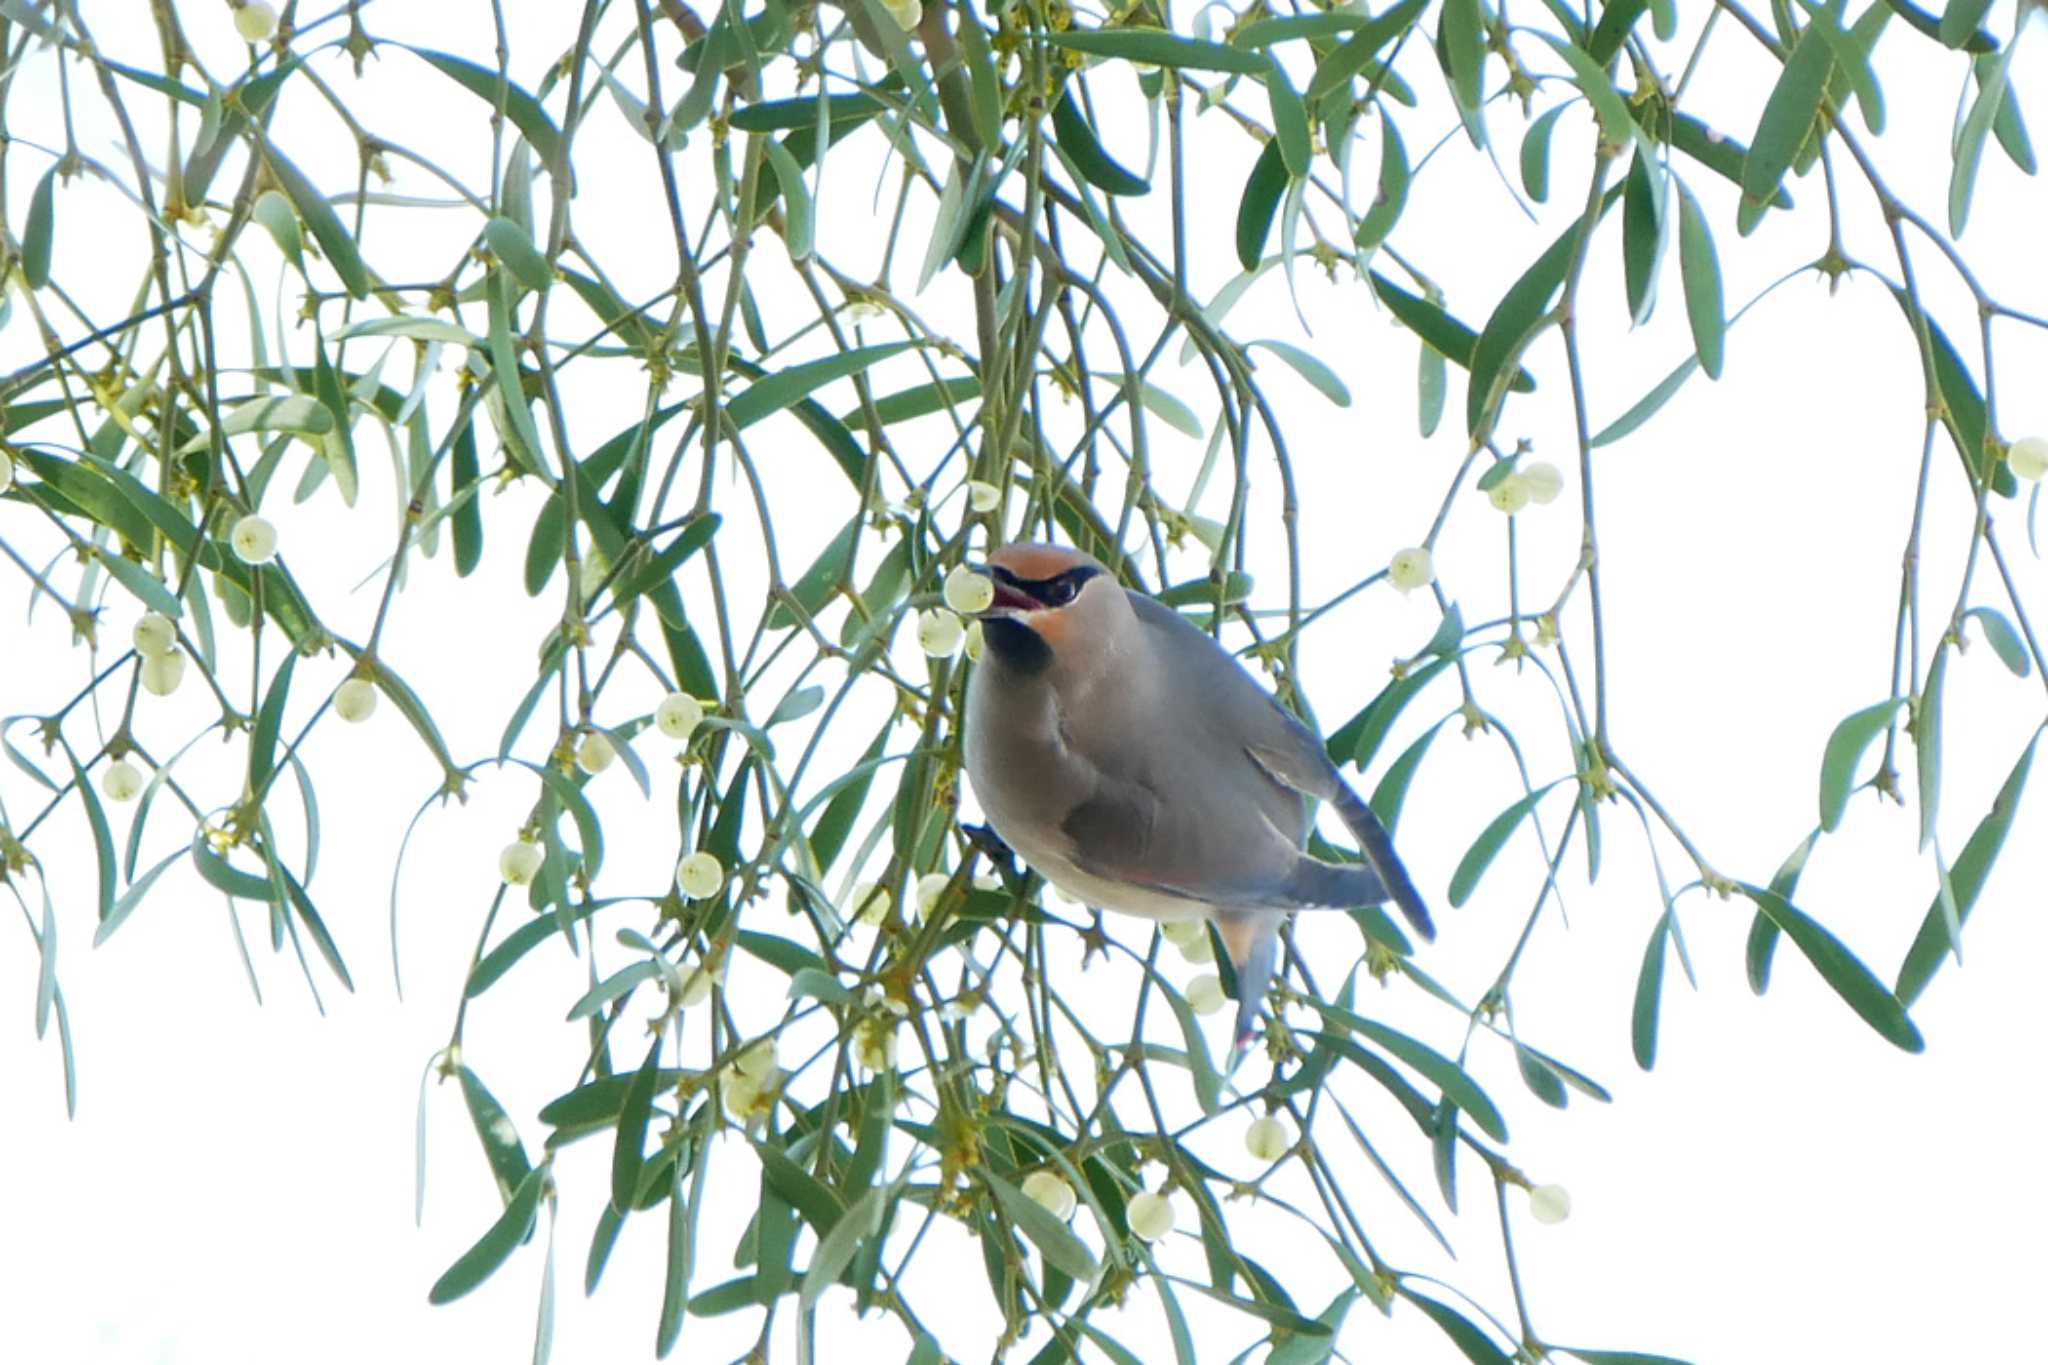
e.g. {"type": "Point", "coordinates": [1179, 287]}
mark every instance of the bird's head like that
{"type": "Point", "coordinates": [1050, 602]}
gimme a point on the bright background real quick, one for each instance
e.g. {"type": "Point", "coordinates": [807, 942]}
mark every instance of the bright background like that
{"type": "Point", "coordinates": [1785, 1187]}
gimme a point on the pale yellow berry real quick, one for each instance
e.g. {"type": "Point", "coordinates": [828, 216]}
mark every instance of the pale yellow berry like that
{"type": "Point", "coordinates": [1181, 932]}
{"type": "Point", "coordinates": [162, 674]}
{"type": "Point", "coordinates": [1198, 949]}
{"type": "Point", "coordinates": [154, 634]}
{"type": "Point", "coordinates": [595, 753]}
{"type": "Point", "coordinates": [930, 887]}
{"type": "Point", "coordinates": [1510, 495]}
{"type": "Point", "coordinates": [1550, 1203]}
{"type": "Point", "coordinates": [519, 862]}
{"type": "Point", "coordinates": [983, 496]}
{"type": "Point", "coordinates": [2028, 457]}
{"type": "Point", "coordinates": [1266, 1139]}
{"type": "Point", "coordinates": [1412, 568]}
{"type": "Point", "coordinates": [869, 903]}
{"type": "Point", "coordinates": [988, 879]}
{"type": "Point", "coordinates": [968, 592]}
{"type": "Point", "coordinates": [862, 310]}
{"type": "Point", "coordinates": [122, 780]}
{"type": "Point", "coordinates": [1150, 1215]}
{"type": "Point", "coordinates": [254, 540]}
{"type": "Point", "coordinates": [355, 699]}
{"type": "Point", "coordinates": [6, 471]}
{"type": "Point", "coordinates": [700, 875]}
{"type": "Point", "coordinates": [255, 21]}
{"type": "Point", "coordinates": [1052, 1193]}
{"type": "Point", "coordinates": [940, 633]}
{"type": "Point", "coordinates": [698, 980]}
{"type": "Point", "coordinates": [1544, 479]}
{"type": "Point", "coordinates": [874, 1044]}
{"type": "Point", "coordinates": [906, 14]}
{"type": "Point", "coordinates": [1205, 993]}
{"type": "Point", "coordinates": [750, 1099]}
{"type": "Point", "coordinates": [975, 641]}
{"type": "Point", "coordinates": [678, 715]}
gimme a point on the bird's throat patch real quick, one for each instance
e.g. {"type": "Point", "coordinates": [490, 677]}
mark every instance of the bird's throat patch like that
{"type": "Point", "coordinates": [1017, 645]}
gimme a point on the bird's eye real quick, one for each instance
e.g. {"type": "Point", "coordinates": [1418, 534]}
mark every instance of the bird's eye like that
{"type": "Point", "coordinates": [1058, 592]}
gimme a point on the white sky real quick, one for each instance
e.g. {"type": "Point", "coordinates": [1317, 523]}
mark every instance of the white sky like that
{"type": "Point", "coordinates": [1785, 1187]}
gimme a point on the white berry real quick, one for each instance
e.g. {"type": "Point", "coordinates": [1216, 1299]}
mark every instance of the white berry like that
{"type": "Point", "coordinates": [869, 903]}
{"type": "Point", "coordinates": [1510, 495]}
{"type": "Point", "coordinates": [930, 887]}
{"type": "Point", "coordinates": [697, 983]}
{"type": "Point", "coordinates": [982, 496]}
{"type": "Point", "coordinates": [1544, 479]}
{"type": "Point", "coordinates": [1205, 993]}
{"type": "Point", "coordinates": [595, 753]}
{"type": "Point", "coordinates": [519, 862]}
{"type": "Point", "coordinates": [162, 674]}
{"type": "Point", "coordinates": [355, 699]}
{"type": "Point", "coordinates": [2028, 457]}
{"type": "Point", "coordinates": [988, 879]}
{"type": "Point", "coordinates": [678, 715]}
{"type": "Point", "coordinates": [1412, 568]}
{"type": "Point", "coordinates": [122, 780]}
{"type": "Point", "coordinates": [154, 634]}
{"type": "Point", "coordinates": [940, 633]}
{"type": "Point", "coordinates": [1180, 932]}
{"type": "Point", "coordinates": [1197, 949]}
{"type": "Point", "coordinates": [968, 592]}
{"type": "Point", "coordinates": [6, 471]}
{"type": "Point", "coordinates": [1150, 1215]}
{"type": "Point", "coordinates": [975, 639]}
{"type": "Point", "coordinates": [1550, 1203]}
{"type": "Point", "coordinates": [1050, 1192]}
{"type": "Point", "coordinates": [1266, 1139]}
{"type": "Point", "coordinates": [254, 540]}
{"type": "Point", "coordinates": [255, 21]}
{"type": "Point", "coordinates": [700, 875]}
{"type": "Point", "coordinates": [757, 1059]}
{"type": "Point", "coordinates": [906, 14]}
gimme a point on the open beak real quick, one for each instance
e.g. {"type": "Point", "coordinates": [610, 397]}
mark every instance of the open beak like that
{"type": "Point", "coordinates": [1007, 598]}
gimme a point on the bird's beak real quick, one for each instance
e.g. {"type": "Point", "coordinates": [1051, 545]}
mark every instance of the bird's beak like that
{"type": "Point", "coordinates": [1007, 599]}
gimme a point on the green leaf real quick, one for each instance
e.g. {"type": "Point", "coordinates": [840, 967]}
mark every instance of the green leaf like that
{"type": "Point", "coordinates": [836, 1248]}
{"type": "Point", "coordinates": [695, 534]}
{"type": "Point", "coordinates": [1969, 148]}
{"type": "Point", "coordinates": [1476, 1345]}
{"type": "Point", "coordinates": [1319, 375]}
{"type": "Point", "coordinates": [1078, 140]}
{"type": "Point", "coordinates": [802, 112]}
{"type": "Point", "coordinates": [1461, 33]}
{"type": "Point", "coordinates": [1649, 995]}
{"type": "Point", "coordinates": [1160, 48]}
{"type": "Point", "coordinates": [1290, 120]}
{"type": "Point", "coordinates": [1841, 969]}
{"type": "Point", "coordinates": [1050, 1235]}
{"type": "Point", "coordinates": [512, 246]}
{"type": "Point", "coordinates": [1927, 743]}
{"type": "Point", "coordinates": [1359, 738]}
{"type": "Point", "coordinates": [1536, 154]}
{"type": "Point", "coordinates": [1387, 205]}
{"type": "Point", "coordinates": [1458, 1087]}
{"type": "Point", "coordinates": [1787, 117]}
{"type": "Point", "coordinates": [1647, 406]}
{"type": "Point", "coordinates": [941, 395]}
{"type": "Point", "coordinates": [1593, 1357]}
{"type": "Point", "coordinates": [2005, 642]}
{"type": "Point", "coordinates": [1845, 749]}
{"type": "Point", "coordinates": [1477, 858]}
{"type": "Point", "coordinates": [1612, 31]}
{"type": "Point", "coordinates": [1387, 798]}
{"type": "Point", "coordinates": [1616, 124]}
{"type": "Point", "coordinates": [1763, 934]}
{"type": "Point", "coordinates": [1966, 880]}
{"type": "Point", "coordinates": [629, 1149]}
{"type": "Point", "coordinates": [799, 215]}
{"type": "Point", "coordinates": [827, 571]}
{"type": "Point", "coordinates": [1701, 269]}
{"type": "Point", "coordinates": [1643, 233]}
{"type": "Point", "coordinates": [1348, 58]}
{"type": "Point", "coordinates": [40, 232]}
{"type": "Point", "coordinates": [773, 392]}
{"type": "Point", "coordinates": [1256, 206]}
{"type": "Point", "coordinates": [335, 242]}
{"type": "Point", "coordinates": [1171, 410]}
{"type": "Point", "coordinates": [139, 888]}
{"type": "Point", "coordinates": [478, 1263]}
{"type": "Point", "coordinates": [494, 1129]}
{"type": "Point", "coordinates": [1429, 389]}
{"type": "Point", "coordinates": [1515, 320]}
{"type": "Point", "coordinates": [1959, 21]}
{"type": "Point", "coordinates": [269, 718]}
{"type": "Point", "coordinates": [521, 108]}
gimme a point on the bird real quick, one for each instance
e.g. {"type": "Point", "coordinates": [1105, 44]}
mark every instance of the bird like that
{"type": "Point", "coordinates": [1136, 765]}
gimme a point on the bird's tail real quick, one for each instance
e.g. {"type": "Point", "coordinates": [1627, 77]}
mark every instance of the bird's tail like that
{"type": "Point", "coordinates": [1392, 878]}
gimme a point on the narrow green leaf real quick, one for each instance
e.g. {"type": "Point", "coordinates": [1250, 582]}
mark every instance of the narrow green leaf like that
{"type": "Point", "coordinates": [269, 718]}
{"type": "Point", "coordinates": [952, 394]}
{"type": "Point", "coordinates": [133, 896]}
{"type": "Point", "coordinates": [1701, 269]}
{"type": "Point", "coordinates": [1290, 119]}
{"type": "Point", "coordinates": [1392, 198]}
{"type": "Point", "coordinates": [514, 248]}
{"type": "Point", "coordinates": [478, 1263]}
{"type": "Point", "coordinates": [335, 242]}
{"type": "Point", "coordinates": [1787, 117]}
{"type": "Point", "coordinates": [1536, 154]}
{"type": "Point", "coordinates": [1256, 206]}
{"type": "Point", "coordinates": [1649, 996]}
{"type": "Point", "coordinates": [1348, 58]}
{"type": "Point", "coordinates": [1462, 35]}
{"type": "Point", "coordinates": [1387, 798]}
{"type": "Point", "coordinates": [1927, 743]}
{"type": "Point", "coordinates": [39, 233]}
{"type": "Point", "coordinates": [836, 1248]}
{"type": "Point", "coordinates": [815, 588]}
{"type": "Point", "coordinates": [1319, 375]}
{"type": "Point", "coordinates": [1845, 749]}
{"type": "Point", "coordinates": [1475, 1344]}
{"type": "Point", "coordinates": [802, 112]}
{"type": "Point", "coordinates": [1160, 48]}
{"type": "Point", "coordinates": [1966, 880]}
{"type": "Point", "coordinates": [495, 1131]}
{"type": "Point", "coordinates": [773, 392]}
{"type": "Point", "coordinates": [1841, 969]}
{"type": "Point", "coordinates": [1061, 1247]}
{"type": "Point", "coordinates": [2005, 642]}
{"type": "Point", "coordinates": [521, 108]}
{"type": "Point", "coordinates": [1480, 855]}
{"type": "Point", "coordinates": [1969, 148]}
{"type": "Point", "coordinates": [1616, 125]}
{"type": "Point", "coordinates": [1959, 21]}
{"type": "Point", "coordinates": [629, 1150]}
{"type": "Point", "coordinates": [1359, 738]}
{"type": "Point", "coordinates": [798, 215]}
{"type": "Point", "coordinates": [1612, 31]}
{"type": "Point", "coordinates": [1431, 384]}
{"type": "Point", "coordinates": [1070, 127]}
{"type": "Point", "coordinates": [1457, 1086]}
{"type": "Point", "coordinates": [1643, 233]}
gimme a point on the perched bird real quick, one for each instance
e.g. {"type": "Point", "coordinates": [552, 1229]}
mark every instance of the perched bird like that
{"type": "Point", "coordinates": [1137, 766]}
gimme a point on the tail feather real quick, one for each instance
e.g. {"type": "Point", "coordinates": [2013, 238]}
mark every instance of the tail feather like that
{"type": "Point", "coordinates": [1378, 847]}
